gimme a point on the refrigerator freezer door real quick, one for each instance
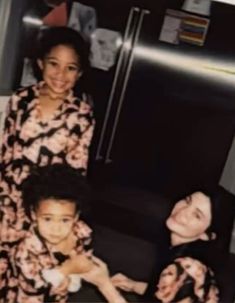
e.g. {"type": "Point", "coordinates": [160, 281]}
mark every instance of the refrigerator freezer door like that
{"type": "Point", "coordinates": [122, 59]}
{"type": "Point", "coordinates": [125, 83]}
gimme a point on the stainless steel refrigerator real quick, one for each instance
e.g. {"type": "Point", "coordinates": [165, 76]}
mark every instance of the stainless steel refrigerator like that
{"type": "Point", "coordinates": [163, 109]}
{"type": "Point", "coordinates": [165, 112]}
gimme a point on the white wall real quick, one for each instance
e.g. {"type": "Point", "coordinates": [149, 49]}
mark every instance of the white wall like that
{"type": "Point", "coordinates": [11, 35]}
{"type": "Point", "coordinates": [3, 103]}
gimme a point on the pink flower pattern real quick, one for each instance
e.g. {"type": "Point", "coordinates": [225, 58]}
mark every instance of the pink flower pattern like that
{"type": "Point", "coordinates": [182, 272]}
{"type": "Point", "coordinates": [28, 142]}
{"type": "Point", "coordinates": [25, 282]}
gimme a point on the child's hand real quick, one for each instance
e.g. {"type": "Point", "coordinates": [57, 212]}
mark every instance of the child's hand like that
{"type": "Point", "coordinates": [98, 274]}
{"type": "Point", "coordinates": [123, 282]}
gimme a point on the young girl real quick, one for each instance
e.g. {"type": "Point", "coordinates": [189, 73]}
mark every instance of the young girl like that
{"type": "Point", "coordinates": [44, 265]}
{"type": "Point", "coordinates": [46, 123]}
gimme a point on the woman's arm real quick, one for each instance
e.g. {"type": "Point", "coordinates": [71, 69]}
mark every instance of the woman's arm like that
{"type": "Point", "coordinates": [99, 276]}
{"type": "Point", "coordinates": [110, 293]}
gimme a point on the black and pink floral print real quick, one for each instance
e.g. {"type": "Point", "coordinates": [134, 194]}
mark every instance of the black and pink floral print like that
{"type": "Point", "coordinates": [25, 283]}
{"type": "Point", "coordinates": [29, 142]}
{"type": "Point", "coordinates": [187, 280]}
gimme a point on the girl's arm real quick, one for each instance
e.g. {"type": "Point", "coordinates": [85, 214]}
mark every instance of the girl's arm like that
{"type": "Point", "coordinates": [28, 269]}
{"type": "Point", "coordinates": [9, 131]}
{"type": "Point", "coordinates": [31, 284]}
{"type": "Point", "coordinates": [81, 125]}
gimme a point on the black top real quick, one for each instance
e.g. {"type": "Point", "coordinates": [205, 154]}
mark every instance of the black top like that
{"type": "Point", "coordinates": [203, 251]}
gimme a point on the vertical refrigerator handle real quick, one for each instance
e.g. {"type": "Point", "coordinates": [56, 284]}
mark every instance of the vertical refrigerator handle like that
{"type": "Point", "coordinates": [127, 75]}
{"type": "Point", "coordinates": [5, 11]}
{"type": "Point", "coordinates": [133, 10]}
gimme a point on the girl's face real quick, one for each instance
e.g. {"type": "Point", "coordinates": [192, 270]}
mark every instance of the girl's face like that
{"type": "Point", "coordinates": [60, 70]}
{"type": "Point", "coordinates": [191, 217]}
{"type": "Point", "coordinates": [55, 219]}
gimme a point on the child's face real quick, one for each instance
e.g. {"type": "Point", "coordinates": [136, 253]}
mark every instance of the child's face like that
{"type": "Point", "coordinates": [60, 69]}
{"type": "Point", "coordinates": [55, 219]}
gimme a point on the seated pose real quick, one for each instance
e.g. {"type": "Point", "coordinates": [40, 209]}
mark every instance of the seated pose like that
{"type": "Point", "coordinates": [182, 272]}
{"type": "Point", "coordinates": [46, 262]}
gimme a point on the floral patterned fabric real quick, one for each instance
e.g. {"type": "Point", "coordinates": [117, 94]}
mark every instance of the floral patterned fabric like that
{"type": "Point", "coordinates": [28, 142]}
{"type": "Point", "coordinates": [187, 280]}
{"type": "Point", "coordinates": [25, 283]}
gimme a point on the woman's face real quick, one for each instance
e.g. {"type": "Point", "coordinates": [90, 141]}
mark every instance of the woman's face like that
{"type": "Point", "coordinates": [191, 217]}
{"type": "Point", "coordinates": [60, 69]}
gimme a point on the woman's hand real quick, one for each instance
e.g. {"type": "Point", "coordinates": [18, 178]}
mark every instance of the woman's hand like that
{"type": "Point", "coordinates": [123, 282]}
{"type": "Point", "coordinates": [76, 264]}
{"type": "Point", "coordinates": [98, 274]}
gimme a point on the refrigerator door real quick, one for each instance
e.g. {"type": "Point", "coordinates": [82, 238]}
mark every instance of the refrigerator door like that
{"type": "Point", "coordinates": [11, 36]}
{"type": "Point", "coordinates": [123, 17]}
{"type": "Point", "coordinates": [131, 150]}
{"type": "Point", "coordinates": [123, 60]}
{"type": "Point", "coordinates": [127, 126]}
{"type": "Point", "coordinates": [168, 94]}
{"type": "Point", "coordinates": [125, 82]}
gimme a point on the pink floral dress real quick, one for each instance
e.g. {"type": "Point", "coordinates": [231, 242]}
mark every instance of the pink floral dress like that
{"type": "Point", "coordinates": [187, 279]}
{"type": "Point", "coordinates": [25, 282]}
{"type": "Point", "coordinates": [28, 142]}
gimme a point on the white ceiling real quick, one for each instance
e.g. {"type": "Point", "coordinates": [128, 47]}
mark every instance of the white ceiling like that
{"type": "Point", "coordinates": [232, 2]}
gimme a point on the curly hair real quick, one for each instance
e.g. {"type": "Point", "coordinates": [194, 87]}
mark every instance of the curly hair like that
{"type": "Point", "coordinates": [51, 37]}
{"type": "Point", "coordinates": [57, 181]}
